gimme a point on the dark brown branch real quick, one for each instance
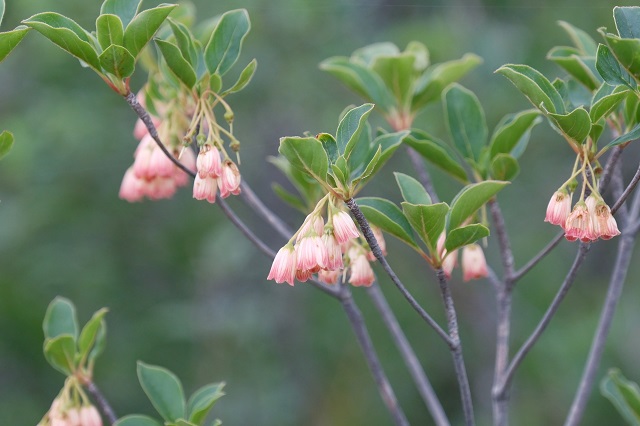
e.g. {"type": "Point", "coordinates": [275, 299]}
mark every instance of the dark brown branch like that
{"type": "Point", "coordinates": [101, 401]}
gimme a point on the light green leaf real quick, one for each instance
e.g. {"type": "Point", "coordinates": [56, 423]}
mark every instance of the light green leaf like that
{"type": "Point", "coordinates": [307, 155]}
{"type": "Point", "coordinates": [60, 318]}
{"type": "Point", "coordinates": [610, 69]}
{"type": "Point", "coordinates": [626, 51]}
{"type": "Point", "coordinates": [341, 171]}
{"type": "Point", "coordinates": [368, 54]}
{"type": "Point", "coordinates": [513, 131]}
{"type": "Point", "coordinates": [60, 352]}
{"type": "Point", "coordinates": [350, 127]}
{"type": "Point", "coordinates": [245, 78]}
{"type": "Point", "coordinates": [623, 394]}
{"type": "Point", "coordinates": [397, 73]}
{"type": "Point", "coordinates": [89, 333]}
{"type": "Point", "coordinates": [289, 198]}
{"type": "Point", "coordinates": [223, 49]}
{"type": "Point", "coordinates": [465, 121]}
{"type": "Point", "coordinates": [633, 134]}
{"type": "Point", "coordinates": [465, 235]}
{"type": "Point", "coordinates": [67, 34]}
{"type": "Point", "coordinates": [164, 391]}
{"type": "Point", "coordinates": [215, 83]}
{"type": "Point", "coordinates": [202, 401]}
{"type": "Point", "coordinates": [632, 109]}
{"type": "Point", "coordinates": [434, 152]}
{"type": "Point", "coordinates": [386, 145]}
{"type": "Point", "coordinates": [470, 199]}
{"type": "Point", "coordinates": [504, 167]}
{"type": "Point", "coordinates": [177, 63]}
{"type": "Point", "coordinates": [583, 41]}
{"type": "Point", "coordinates": [388, 217]}
{"type": "Point", "coordinates": [534, 86]}
{"type": "Point", "coordinates": [6, 143]}
{"type": "Point", "coordinates": [412, 191]}
{"type": "Point", "coordinates": [185, 42]}
{"type": "Point", "coordinates": [137, 420]}
{"type": "Point", "coordinates": [109, 30]}
{"type": "Point", "coordinates": [427, 221]}
{"type": "Point", "coordinates": [124, 9]}
{"type": "Point", "coordinates": [603, 105]}
{"type": "Point", "coordinates": [118, 61]}
{"type": "Point", "coordinates": [575, 126]}
{"type": "Point", "coordinates": [10, 39]}
{"type": "Point", "coordinates": [568, 59]}
{"type": "Point", "coordinates": [330, 146]}
{"type": "Point", "coordinates": [627, 21]}
{"type": "Point", "coordinates": [143, 26]}
{"type": "Point", "coordinates": [100, 342]}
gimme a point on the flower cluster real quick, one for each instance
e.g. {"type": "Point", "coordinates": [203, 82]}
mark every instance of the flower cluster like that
{"type": "Point", "coordinates": [329, 250]}
{"type": "Point", "coordinates": [64, 413]}
{"type": "Point", "coordinates": [589, 220]}
{"type": "Point", "coordinates": [213, 173]}
{"type": "Point", "coordinates": [474, 264]}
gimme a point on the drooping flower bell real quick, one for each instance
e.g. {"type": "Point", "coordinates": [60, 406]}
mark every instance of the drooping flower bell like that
{"type": "Point", "coordinates": [559, 208]}
{"type": "Point", "coordinates": [474, 264]}
{"type": "Point", "coordinates": [603, 223]}
{"type": "Point", "coordinates": [578, 224]}
{"type": "Point", "coordinates": [284, 264]}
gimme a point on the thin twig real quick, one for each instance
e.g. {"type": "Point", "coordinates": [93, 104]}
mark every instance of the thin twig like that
{"type": "Point", "coordinates": [500, 400]}
{"type": "Point", "coordinates": [617, 188]}
{"type": "Point", "coordinates": [375, 248]}
{"type": "Point", "coordinates": [101, 401]}
{"type": "Point", "coordinates": [538, 257]}
{"type": "Point", "coordinates": [506, 254]}
{"type": "Point", "coordinates": [364, 339]}
{"type": "Point", "coordinates": [632, 185]}
{"type": "Point", "coordinates": [456, 349]}
{"type": "Point", "coordinates": [411, 360]}
{"type": "Point", "coordinates": [613, 159]}
{"type": "Point", "coordinates": [258, 206]}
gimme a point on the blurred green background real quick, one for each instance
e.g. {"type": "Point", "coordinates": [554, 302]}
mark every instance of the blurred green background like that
{"type": "Point", "coordinates": [186, 291]}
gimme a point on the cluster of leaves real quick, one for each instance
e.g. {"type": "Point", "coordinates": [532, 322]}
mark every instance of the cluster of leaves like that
{"type": "Point", "coordinates": [624, 394]}
{"type": "Point", "coordinates": [601, 86]}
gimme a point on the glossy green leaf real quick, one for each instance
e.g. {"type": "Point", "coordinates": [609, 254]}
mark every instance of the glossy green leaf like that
{"type": "Point", "coordinates": [387, 216]}
{"type": "Point", "coordinates": [6, 143]}
{"type": "Point", "coordinates": [10, 39]}
{"type": "Point", "coordinates": [67, 34]}
{"type": "Point", "coordinates": [341, 171]}
{"type": "Point", "coordinates": [429, 87]}
{"type": "Point", "coordinates": [596, 132]}
{"type": "Point", "coordinates": [137, 420]}
{"type": "Point", "coordinates": [89, 333]}
{"type": "Point", "coordinates": [386, 145]}
{"type": "Point", "coordinates": [244, 79]}
{"type": "Point", "coordinates": [163, 389]}
{"type": "Point", "coordinates": [627, 21]}
{"type": "Point", "coordinates": [610, 69]}
{"type": "Point", "coordinates": [60, 352]}
{"type": "Point", "coordinates": [627, 52]}
{"type": "Point", "coordinates": [420, 53]}
{"type": "Point", "coordinates": [603, 105]}
{"type": "Point", "coordinates": [143, 26]}
{"type": "Point", "coordinates": [568, 59]}
{"type": "Point", "coordinates": [307, 155]}
{"type": "Point", "coordinates": [308, 187]}
{"type": "Point", "coordinates": [575, 126]}
{"type": "Point", "coordinates": [396, 72]}
{"type": "Point", "coordinates": [109, 30]}
{"type": "Point", "coordinates": [350, 127]}
{"type": "Point", "coordinates": [185, 42]}
{"type": "Point", "coordinates": [100, 342]}
{"type": "Point", "coordinates": [465, 235]}
{"type": "Point", "coordinates": [177, 63]}
{"type": "Point", "coordinates": [289, 198]}
{"type": "Point", "coordinates": [330, 146]}
{"type": "Point", "coordinates": [427, 220]}
{"type": "Point", "coordinates": [470, 199]}
{"type": "Point", "coordinates": [504, 167]}
{"type": "Point", "coordinates": [368, 54]}
{"type": "Point", "coordinates": [631, 109]}
{"type": "Point", "coordinates": [465, 121]}
{"type": "Point", "coordinates": [534, 86]}
{"type": "Point", "coordinates": [223, 49]}
{"type": "Point", "coordinates": [623, 394]}
{"type": "Point", "coordinates": [583, 41]}
{"type": "Point", "coordinates": [513, 131]}
{"type": "Point", "coordinates": [632, 135]}
{"type": "Point", "coordinates": [202, 401]}
{"type": "Point", "coordinates": [426, 146]}
{"type": "Point", "coordinates": [60, 318]}
{"type": "Point", "coordinates": [412, 191]}
{"type": "Point", "coordinates": [124, 9]}
{"type": "Point", "coordinates": [118, 61]}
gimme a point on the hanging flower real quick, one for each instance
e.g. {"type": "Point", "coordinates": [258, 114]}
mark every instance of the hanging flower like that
{"type": "Point", "coordinates": [474, 264]}
{"type": "Point", "coordinates": [559, 208]}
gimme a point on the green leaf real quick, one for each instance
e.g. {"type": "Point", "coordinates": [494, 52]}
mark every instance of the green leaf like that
{"type": "Point", "coordinates": [534, 86]}
{"type": "Point", "coordinates": [627, 52]}
{"type": "Point", "coordinates": [610, 69]}
{"type": "Point", "coordinates": [306, 154]}
{"type": "Point", "coordinates": [386, 145]}
{"type": "Point", "coordinates": [245, 77]}
{"type": "Point", "coordinates": [633, 134]}
{"type": "Point", "coordinates": [465, 235]}
{"type": "Point", "coordinates": [163, 389]}
{"type": "Point", "coordinates": [350, 127]}
{"type": "Point", "coordinates": [60, 318]}
{"type": "Point", "coordinates": [137, 420]}
{"type": "Point", "coordinates": [436, 154]}
{"type": "Point", "coordinates": [603, 105]}
{"type": "Point", "coordinates": [513, 131]}
{"type": "Point", "coordinates": [185, 42]}
{"type": "Point", "coordinates": [177, 63]}
{"type": "Point", "coordinates": [568, 59]}
{"type": "Point", "coordinates": [330, 146]}
{"type": "Point", "coordinates": [100, 342]}
{"type": "Point", "coordinates": [10, 39]}
{"type": "Point", "coordinates": [504, 167]}
{"type": "Point", "coordinates": [627, 21]}
{"type": "Point", "coordinates": [143, 26]}
{"type": "Point", "coordinates": [60, 352]}
{"type": "Point", "coordinates": [67, 34]}
{"type": "Point", "coordinates": [202, 401]}
{"type": "Point", "coordinates": [575, 126]}
{"type": "Point", "coordinates": [124, 9]}
{"type": "Point", "coordinates": [632, 109]}
{"type": "Point", "coordinates": [368, 54]}
{"type": "Point", "coordinates": [397, 73]}
{"type": "Point", "coordinates": [289, 198]}
{"type": "Point", "coordinates": [89, 333]}
{"type": "Point", "coordinates": [109, 30]}
{"type": "Point", "coordinates": [429, 87]}
{"type": "Point", "coordinates": [223, 49]}
{"type": "Point", "coordinates": [118, 61]}
{"type": "Point", "coordinates": [6, 143]}
{"type": "Point", "coordinates": [427, 221]}
{"type": "Point", "coordinates": [583, 41]}
{"type": "Point", "coordinates": [470, 199]}
{"type": "Point", "coordinates": [341, 171]}
{"type": "Point", "coordinates": [215, 83]}
{"type": "Point", "coordinates": [388, 217]}
{"type": "Point", "coordinates": [412, 191]}
{"type": "Point", "coordinates": [465, 121]}
{"type": "Point", "coordinates": [623, 394]}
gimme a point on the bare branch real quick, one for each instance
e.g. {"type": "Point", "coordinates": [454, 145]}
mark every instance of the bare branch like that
{"type": "Point", "coordinates": [101, 401]}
